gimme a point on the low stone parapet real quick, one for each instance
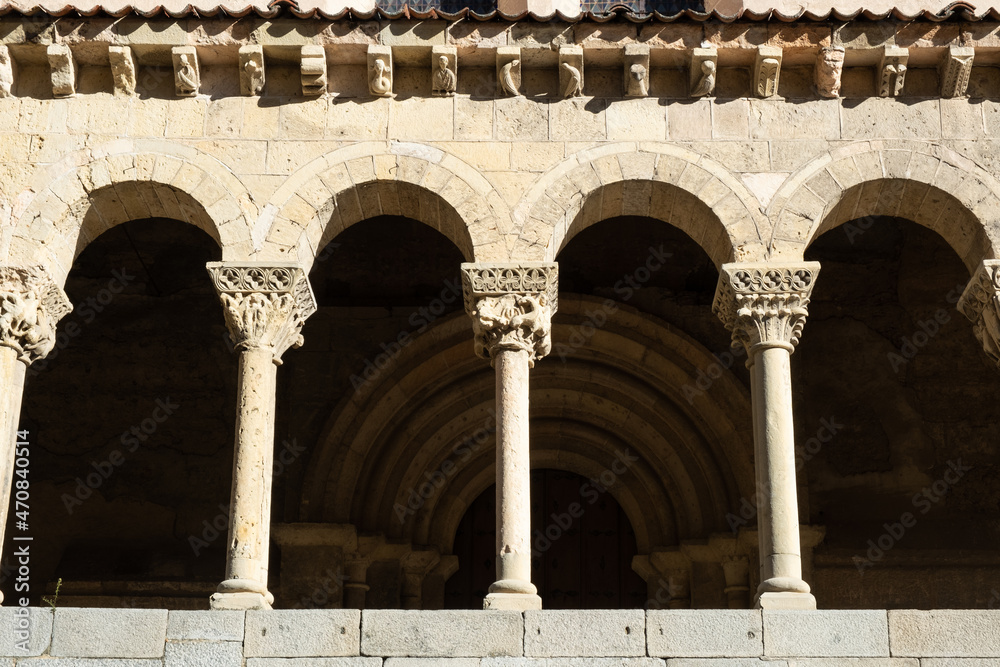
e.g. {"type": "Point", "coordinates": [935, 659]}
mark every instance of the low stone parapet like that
{"type": "Point", "coordinates": [591, 638]}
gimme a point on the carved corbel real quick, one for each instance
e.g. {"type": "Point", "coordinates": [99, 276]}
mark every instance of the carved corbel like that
{"type": "Point", "coordinates": [380, 70]}
{"type": "Point", "coordinates": [63, 67]}
{"type": "Point", "coordinates": [892, 71]}
{"type": "Point", "coordinates": [766, 70]}
{"type": "Point", "coordinates": [636, 70]}
{"type": "Point", "coordinates": [765, 305]}
{"type": "Point", "coordinates": [571, 71]}
{"type": "Point", "coordinates": [980, 303]}
{"type": "Point", "coordinates": [313, 70]}
{"type": "Point", "coordinates": [8, 71]}
{"type": "Point", "coordinates": [956, 68]}
{"type": "Point", "coordinates": [265, 305]}
{"type": "Point", "coordinates": [124, 70]}
{"type": "Point", "coordinates": [444, 70]}
{"type": "Point", "coordinates": [31, 305]}
{"type": "Point", "coordinates": [511, 306]}
{"type": "Point", "coordinates": [829, 70]}
{"type": "Point", "coordinates": [187, 71]}
{"type": "Point", "coordinates": [251, 69]}
{"type": "Point", "coordinates": [509, 71]}
{"type": "Point", "coordinates": [703, 72]}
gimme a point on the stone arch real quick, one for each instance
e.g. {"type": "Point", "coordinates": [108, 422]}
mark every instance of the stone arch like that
{"type": "Point", "coordinates": [923, 182]}
{"type": "Point", "coordinates": [74, 201]}
{"type": "Point", "coordinates": [425, 427]}
{"type": "Point", "coordinates": [368, 179]}
{"type": "Point", "coordinates": [662, 181]}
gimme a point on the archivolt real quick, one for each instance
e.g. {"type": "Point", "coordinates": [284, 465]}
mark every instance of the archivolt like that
{"type": "Point", "coordinates": [663, 181]}
{"type": "Point", "coordinates": [72, 202]}
{"type": "Point", "coordinates": [409, 452]}
{"type": "Point", "coordinates": [369, 179]}
{"type": "Point", "coordinates": [926, 183]}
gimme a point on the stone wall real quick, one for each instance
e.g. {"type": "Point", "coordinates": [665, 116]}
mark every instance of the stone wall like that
{"type": "Point", "coordinates": [630, 638]}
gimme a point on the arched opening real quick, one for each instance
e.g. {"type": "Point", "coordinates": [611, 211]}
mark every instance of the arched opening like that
{"type": "Point", "coordinates": [136, 396]}
{"type": "Point", "coordinates": [582, 547]}
{"type": "Point", "coordinates": [895, 422]}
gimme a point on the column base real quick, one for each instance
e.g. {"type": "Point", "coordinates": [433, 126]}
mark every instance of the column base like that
{"type": "Point", "coordinates": [238, 601]}
{"type": "Point", "coordinates": [512, 601]}
{"type": "Point", "coordinates": [786, 600]}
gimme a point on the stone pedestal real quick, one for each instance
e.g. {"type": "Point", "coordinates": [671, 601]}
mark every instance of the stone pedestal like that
{"type": "Point", "coordinates": [265, 307]}
{"type": "Point", "coordinates": [511, 308]}
{"type": "Point", "coordinates": [765, 308]}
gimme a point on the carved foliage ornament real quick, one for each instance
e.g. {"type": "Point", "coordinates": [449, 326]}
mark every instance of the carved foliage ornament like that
{"type": "Point", "coordinates": [981, 304]}
{"type": "Point", "coordinates": [511, 307]}
{"type": "Point", "coordinates": [765, 304]}
{"type": "Point", "coordinates": [30, 306]}
{"type": "Point", "coordinates": [265, 306]}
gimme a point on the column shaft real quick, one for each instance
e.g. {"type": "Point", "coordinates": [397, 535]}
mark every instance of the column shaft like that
{"type": "Point", "coordinates": [250, 504]}
{"type": "Point", "coordinates": [778, 516]}
{"type": "Point", "coordinates": [513, 475]}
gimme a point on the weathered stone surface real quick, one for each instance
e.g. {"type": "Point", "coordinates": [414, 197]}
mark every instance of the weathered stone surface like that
{"type": "Point", "coordinates": [705, 633]}
{"type": "Point", "coordinates": [36, 623]}
{"type": "Point", "coordinates": [209, 625]}
{"type": "Point", "coordinates": [434, 634]}
{"type": "Point", "coordinates": [203, 654]}
{"type": "Point", "coordinates": [109, 633]}
{"type": "Point", "coordinates": [571, 662]}
{"type": "Point", "coordinates": [584, 633]}
{"type": "Point", "coordinates": [945, 633]}
{"type": "Point", "coordinates": [314, 662]}
{"type": "Point", "coordinates": [826, 633]}
{"type": "Point", "coordinates": [302, 633]}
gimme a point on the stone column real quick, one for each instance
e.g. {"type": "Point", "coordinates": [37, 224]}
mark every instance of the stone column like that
{"type": "Point", "coordinates": [511, 306]}
{"type": "Point", "coordinates": [30, 306]}
{"type": "Point", "coordinates": [764, 305]}
{"type": "Point", "coordinates": [265, 307]}
{"type": "Point", "coordinates": [980, 303]}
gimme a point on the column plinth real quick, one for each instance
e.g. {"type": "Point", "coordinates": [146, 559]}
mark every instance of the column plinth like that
{"type": "Point", "coordinates": [511, 308]}
{"type": "Point", "coordinates": [30, 306]}
{"type": "Point", "coordinates": [764, 306]}
{"type": "Point", "coordinates": [265, 307]}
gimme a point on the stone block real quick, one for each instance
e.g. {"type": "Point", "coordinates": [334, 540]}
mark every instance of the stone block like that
{"type": "Point", "coordinates": [302, 633]}
{"type": "Point", "coordinates": [203, 654]}
{"type": "Point", "coordinates": [85, 662]}
{"type": "Point", "coordinates": [707, 633]}
{"type": "Point", "coordinates": [314, 662]}
{"type": "Point", "coordinates": [572, 662]}
{"type": "Point", "coordinates": [20, 627]}
{"type": "Point", "coordinates": [432, 634]}
{"type": "Point", "coordinates": [945, 633]}
{"type": "Point", "coordinates": [428, 662]}
{"type": "Point", "coordinates": [726, 662]}
{"type": "Point", "coordinates": [587, 633]}
{"type": "Point", "coordinates": [209, 625]}
{"type": "Point", "coordinates": [828, 633]}
{"type": "Point", "coordinates": [109, 633]}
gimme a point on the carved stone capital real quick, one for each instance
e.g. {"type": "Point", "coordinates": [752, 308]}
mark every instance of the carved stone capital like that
{"type": "Point", "coordinates": [265, 305]}
{"type": "Point", "coordinates": [980, 303]}
{"type": "Point", "coordinates": [30, 306]}
{"type": "Point", "coordinates": [765, 304]}
{"type": "Point", "coordinates": [511, 306]}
